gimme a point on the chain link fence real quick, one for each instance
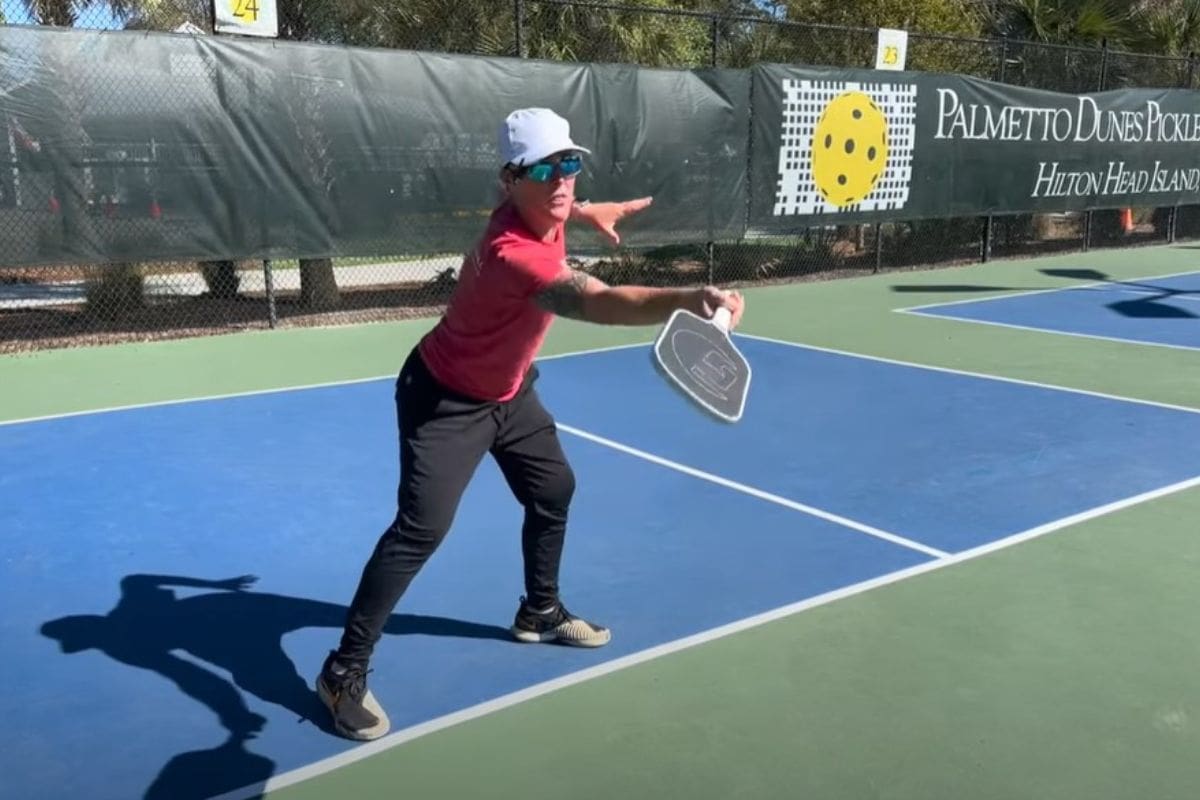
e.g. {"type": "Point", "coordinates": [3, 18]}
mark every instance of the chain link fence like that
{"type": "Point", "coordinates": [57, 305]}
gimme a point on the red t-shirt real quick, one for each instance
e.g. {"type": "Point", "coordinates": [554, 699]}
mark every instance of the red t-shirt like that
{"type": "Point", "coordinates": [492, 329]}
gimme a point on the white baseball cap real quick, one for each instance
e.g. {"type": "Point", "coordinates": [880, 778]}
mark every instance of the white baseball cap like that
{"type": "Point", "coordinates": [530, 134]}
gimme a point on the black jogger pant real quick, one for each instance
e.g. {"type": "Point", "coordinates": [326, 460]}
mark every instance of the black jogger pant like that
{"type": "Point", "coordinates": [443, 438]}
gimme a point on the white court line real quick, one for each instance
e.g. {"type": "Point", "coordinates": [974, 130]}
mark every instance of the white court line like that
{"type": "Point", "coordinates": [1076, 334]}
{"type": "Point", "coordinates": [759, 493]}
{"type": "Point", "coordinates": [180, 401]}
{"type": "Point", "coordinates": [399, 737]}
{"type": "Point", "coordinates": [391, 376]}
{"type": "Point", "coordinates": [847, 353]}
{"type": "Point", "coordinates": [1030, 292]}
{"type": "Point", "coordinates": [969, 374]}
{"type": "Point", "coordinates": [282, 389]}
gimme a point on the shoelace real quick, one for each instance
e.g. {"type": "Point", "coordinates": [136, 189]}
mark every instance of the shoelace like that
{"type": "Point", "coordinates": [358, 684]}
{"type": "Point", "coordinates": [353, 682]}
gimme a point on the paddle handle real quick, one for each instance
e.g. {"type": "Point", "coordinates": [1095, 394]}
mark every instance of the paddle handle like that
{"type": "Point", "coordinates": [722, 318]}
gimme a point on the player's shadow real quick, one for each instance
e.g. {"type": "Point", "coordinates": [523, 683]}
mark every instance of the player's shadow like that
{"type": "Point", "coordinates": [1150, 305]}
{"type": "Point", "coordinates": [945, 288]}
{"type": "Point", "coordinates": [203, 774]}
{"type": "Point", "coordinates": [1148, 302]}
{"type": "Point", "coordinates": [1086, 275]}
{"type": "Point", "coordinates": [235, 630]}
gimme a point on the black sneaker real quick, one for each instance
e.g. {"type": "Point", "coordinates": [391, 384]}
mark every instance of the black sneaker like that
{"type": "Point", "coordinates": [557, 625]}
{"type": "Point", "coordinates": [343, 690]}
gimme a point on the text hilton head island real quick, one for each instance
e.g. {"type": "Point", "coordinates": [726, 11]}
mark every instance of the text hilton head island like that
{"type": "Point", "coordinates": [1113, 180]}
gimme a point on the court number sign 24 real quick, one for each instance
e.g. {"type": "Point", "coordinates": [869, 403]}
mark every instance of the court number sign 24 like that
{"type": "Point", "coordinates": [246, 10]}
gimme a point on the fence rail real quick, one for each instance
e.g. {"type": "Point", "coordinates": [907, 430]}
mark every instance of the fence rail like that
{"type": "Point", "coordinates": [71, 304]}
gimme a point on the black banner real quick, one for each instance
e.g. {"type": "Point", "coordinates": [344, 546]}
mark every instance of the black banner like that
{"type": "Point", "coordinates": [833, 146]}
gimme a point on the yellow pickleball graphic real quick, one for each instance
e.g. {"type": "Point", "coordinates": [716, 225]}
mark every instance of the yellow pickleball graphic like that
{"type": "Point", "coordinates": [849, 149]}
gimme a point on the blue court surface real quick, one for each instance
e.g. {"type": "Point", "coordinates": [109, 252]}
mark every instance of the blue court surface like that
{"type": "Point", "coordinates": [1155, 311]}
{"type": "Point", "coordinates": [137, 665]}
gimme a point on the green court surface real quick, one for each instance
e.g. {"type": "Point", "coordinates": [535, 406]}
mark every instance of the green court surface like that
{"type": "Point", "coordinates": [1060, 667]}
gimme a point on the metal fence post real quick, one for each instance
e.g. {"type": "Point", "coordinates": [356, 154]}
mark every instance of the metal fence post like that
{"type": "Point", "coordinates": [985, 254]}
{"type": "Point", "coordinates": [1087, 217]}
{"type": "Point", "coordinates": [268, 278]}
{"type": "Point", "coordinates": [715, 37]}
{"type": "Point", "coordinates": [750, 121]}
{"type": "Point", "coordinates": [710, 246]}
{"type": "Point", "coordinates": [1173, 217]}
{"type": "Point", "coordinates": [519, 25]}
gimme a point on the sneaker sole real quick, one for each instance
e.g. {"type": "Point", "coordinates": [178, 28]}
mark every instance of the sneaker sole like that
{"type": "Point", "coordinates": [531, 637]}
{"type": "Point", "coordinates": [370, 703]}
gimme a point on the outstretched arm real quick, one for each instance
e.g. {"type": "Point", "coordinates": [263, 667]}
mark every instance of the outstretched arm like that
{"type": "Point", "coordinates": [605, 216]}
{"type": "Point", "coordinates": [577, 295]}
{"type": "Point", "coordinates": [133, 582]}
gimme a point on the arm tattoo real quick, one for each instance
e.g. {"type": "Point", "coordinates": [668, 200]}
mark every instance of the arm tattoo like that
{"type": "Point", "coordinates": [564, 297]}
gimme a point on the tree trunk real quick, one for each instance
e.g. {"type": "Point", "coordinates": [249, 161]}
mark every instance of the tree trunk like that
{"type": "Point", "coordinates": [115, 291]}
{"type": "Point", "coordinates": [221, 277]}
{"type": "Point", "coordinates": [318, 289]}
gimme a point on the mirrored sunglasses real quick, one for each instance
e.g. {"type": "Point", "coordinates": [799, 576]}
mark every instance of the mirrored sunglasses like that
{"type": "Point", "coordinates": [542, 171]}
